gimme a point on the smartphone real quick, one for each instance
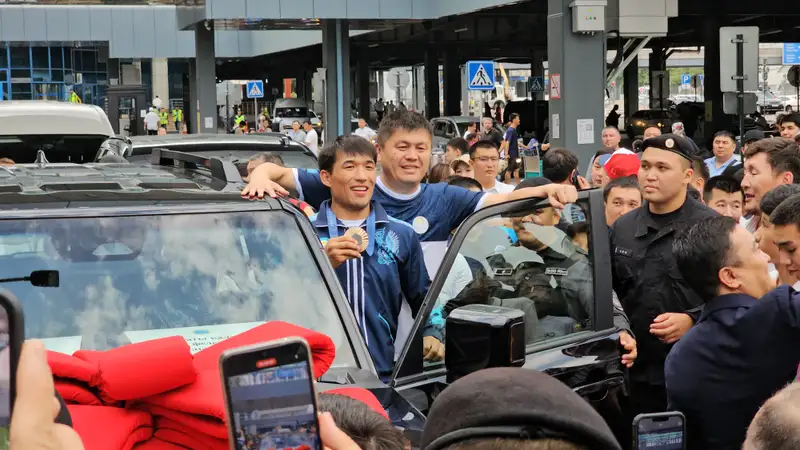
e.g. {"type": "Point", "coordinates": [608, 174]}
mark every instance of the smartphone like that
{"type": "Point", "coordinates": [659, 431]}
{"type": "Point", "coordinates": [12, 334]}
{"type": "Point", "coordinates": [269, 396]}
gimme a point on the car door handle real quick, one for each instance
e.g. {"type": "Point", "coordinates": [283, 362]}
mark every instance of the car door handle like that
{"type": "Point", "coordinates": [599, 387]}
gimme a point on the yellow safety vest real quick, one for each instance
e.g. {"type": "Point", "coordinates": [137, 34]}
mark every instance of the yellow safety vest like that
{"type": "Point", "coordinates": [177, 115]}
{"type": "Point", "coordinates": [163, 116]}
{"type": "Point", "coordinates": [73, 98]}
{"type": "Point", "coordinates": [239, 119]}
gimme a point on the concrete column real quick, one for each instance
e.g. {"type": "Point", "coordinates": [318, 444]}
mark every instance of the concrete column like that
{"type": "Point", "coordinates": [580, 63]}
{"type": "Point", "coordinates": [204, 80]}
{"type": "Point", "coordinates": [362, 88]}
{"type": "Point", "coordinates": [336, 60]}
{"type": "Point", "coordinates": [190, 111]}
{"type": "Point", "coordinates": [160, 79]}
{"type": "Point", "coordinates": [537, 70]}
{"type": "Point", "coordinates": [630, 82]}
{"type": "Point", "coordinates": [112, 69]}
{"type": "Point", "coordinates": [431, 84]}
{"type": "Point", "coordinates": [715, 118]}
{"type": "Point", "coordinates": [451, 74]}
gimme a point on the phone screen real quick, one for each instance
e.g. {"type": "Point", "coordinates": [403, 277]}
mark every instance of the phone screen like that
{"type": "Point", "coordinates": [5, 379]}
{"type": "Point", "coordinates": [661, 433]}
{"type": "Point", "coordinates": [273, 407]}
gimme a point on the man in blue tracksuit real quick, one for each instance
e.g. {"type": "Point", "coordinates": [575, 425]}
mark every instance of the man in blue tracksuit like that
{"type": "Point", "coordinates": [388, 268]}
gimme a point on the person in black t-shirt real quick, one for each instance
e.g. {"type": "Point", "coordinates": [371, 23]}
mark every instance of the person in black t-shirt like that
{"type": "Point", "coordinates": [489, 133]}
{"type": "Point", "coordinates": [510, 147]}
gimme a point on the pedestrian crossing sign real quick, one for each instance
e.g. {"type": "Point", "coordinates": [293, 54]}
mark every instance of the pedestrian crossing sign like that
{"type": "Point", "coordinates": [255, 89]}
{"type": "Point", "coordinates": [537, 84]}
{"type": "Point", "coordinates": [480, 75]}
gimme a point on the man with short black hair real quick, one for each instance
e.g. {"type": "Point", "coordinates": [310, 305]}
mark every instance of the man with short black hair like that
{"type": "Point", "coordinates": [777, 424]}
{"type": "Point", "coordinates": [621, 196]}
{"type": "Point", "coordinates": [311, 138]}
{"type": "Point", "coordinates": [723, 148]}
{"type": "Point", "coordinates": [560, 165]}
{"type": "Point", "coordinates": [378, 259]}
{"type": "Point", "coordinates": [457, 148]}
{"type": "Point", "coordinates": [509, 149]}
{"type": "Point", "coordinates": [744, 346]}
{"type": "Point", "coordinates": [764, 238]}
{"type": "Point", "coordinates": [611, 138]}
{"type": "Point", "coordinates": [659, 303]}
{"type": "Point", "coordinates": [790, 125]}
{"type": "Point", "coordinates": [368, 428]}
{"type": "Point", "coordinates": [724, 195]}
{"type": "Point", "coordinates": [485, 159]}
{"type": "Point", "coordinates": [699, 178]}
{"type": "Point", "coordinates": [768, 163]}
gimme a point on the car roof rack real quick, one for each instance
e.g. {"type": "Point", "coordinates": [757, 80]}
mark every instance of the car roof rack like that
{"type": "Point", "coordinates": [221, 170]}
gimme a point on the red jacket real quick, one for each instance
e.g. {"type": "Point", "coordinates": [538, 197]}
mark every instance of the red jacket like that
{"type": "Point", "coordinates": [154, 395]}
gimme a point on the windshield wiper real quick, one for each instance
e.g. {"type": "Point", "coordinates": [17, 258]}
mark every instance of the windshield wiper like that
{"type": "Point", "coordinates": [40, 278]}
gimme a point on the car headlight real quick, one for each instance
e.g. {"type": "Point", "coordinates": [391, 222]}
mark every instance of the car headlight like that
{"type": "Point", "coordinates": [660, 125]}
{"type": "Point", "coordinates": [639, 123]}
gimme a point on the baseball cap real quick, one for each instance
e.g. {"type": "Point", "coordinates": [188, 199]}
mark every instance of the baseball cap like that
{"type": "Point", "coordinates": [753, 135]}
{"type": "Point", "coordinates": [671, 143]}
{"type": "Point", "coordinates": [514, 403]}
{"type": "Point", "coordinates": [622, 165]}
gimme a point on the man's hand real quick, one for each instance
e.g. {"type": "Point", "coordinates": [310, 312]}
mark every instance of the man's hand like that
{"type": "Point", "coordinates": [33, 424]}
{"type": "Point", "coordinates": [583, 183]}
{"type": "Point", "coordinates": [560, 194]}
{"type": "Point", "coordinates": [669, 327]}
{"type": "Point", "coordinates": [629, 344]}
{"type": "Point", "coordinates": [432, 349]}
{"type": "Point", "coordinates": [341, 249]}
{"type": "Point", "coordinates": [257, 187]}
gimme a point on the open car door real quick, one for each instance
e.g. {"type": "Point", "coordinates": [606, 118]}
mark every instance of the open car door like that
{"type": "Point", "coordinates": [554, 266]}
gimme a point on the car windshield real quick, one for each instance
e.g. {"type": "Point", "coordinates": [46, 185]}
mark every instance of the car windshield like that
{"type": "Point", "coordinates": [294, 159]}
{"type": "Point", "coordinates": [22, 149]}
{"type": "Point", "coordinates": [201, 276]}
{"type": "Point", "coordinates": [291, 112]}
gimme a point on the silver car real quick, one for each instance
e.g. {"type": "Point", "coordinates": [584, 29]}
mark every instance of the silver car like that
{"type": "Point", "coordinates": [288, 110]}
{"type": "Point", "coordinates": [449, 127]}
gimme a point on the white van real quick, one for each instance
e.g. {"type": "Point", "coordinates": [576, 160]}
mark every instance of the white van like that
{"type": "Point", "coordinates": [67, 132]}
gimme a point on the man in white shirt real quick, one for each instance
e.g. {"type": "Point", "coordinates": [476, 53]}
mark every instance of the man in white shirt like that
{"type": "Point", "coordinates": [724, 146]}
{"type": "Point", "coordinates": [312, 139]}
{"type": "Point", "coordinates": [364, 131]}
{"type": "Point", "coordinates": [151, 121]}
{"type": "Point", "coordinates": [485, 160]}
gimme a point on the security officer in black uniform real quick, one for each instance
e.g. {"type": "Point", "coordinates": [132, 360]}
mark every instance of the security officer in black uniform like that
{"type": "Point", "coordinates": [659, 303]}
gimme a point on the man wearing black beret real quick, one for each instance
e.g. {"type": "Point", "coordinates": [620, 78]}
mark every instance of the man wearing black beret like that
{"type": "Point", "coordinates": [494, 408]}
{"type": "Point", "coordinates": [659, 303]}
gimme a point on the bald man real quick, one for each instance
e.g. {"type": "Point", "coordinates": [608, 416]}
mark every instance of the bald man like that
{"type": "Point", "coordinates": [776, 425]}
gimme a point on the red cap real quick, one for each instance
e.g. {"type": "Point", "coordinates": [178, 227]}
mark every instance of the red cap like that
{"type": "Point", "coordinates": [362, 395]}
{"type": "Point", "coordinates": [622, 165]}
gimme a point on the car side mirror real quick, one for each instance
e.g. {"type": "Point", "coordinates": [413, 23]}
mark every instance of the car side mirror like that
{"type": "Point", "coordinates": [45, 278]}
{"type": "Point", "coordinates": [482, 336]}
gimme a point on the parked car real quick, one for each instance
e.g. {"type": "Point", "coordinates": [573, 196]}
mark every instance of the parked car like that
{"type": "Point", "coordinates": [287, 110]}
{"type": "Point", "coordinates": [449, 127]}
{"type": "Point", "coordinates": [768, 103]}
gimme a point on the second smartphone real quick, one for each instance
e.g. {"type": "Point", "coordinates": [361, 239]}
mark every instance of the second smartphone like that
{"type": "Point", "coordinates": [269, 396]}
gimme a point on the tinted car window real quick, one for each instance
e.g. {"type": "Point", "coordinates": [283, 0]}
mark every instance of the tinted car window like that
{"type": "Point", "coordinates": [200, 276]}
{"type": "Point", "coordinates": [538, 262]}
{"type": "Point", "coordinates": [291, 112]}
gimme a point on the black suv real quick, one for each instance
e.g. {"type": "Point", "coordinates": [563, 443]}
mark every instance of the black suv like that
{"type": "Point", "coordinates": [170, 248]}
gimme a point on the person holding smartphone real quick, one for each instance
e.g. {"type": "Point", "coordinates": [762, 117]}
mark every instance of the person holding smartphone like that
{"type": "Point", "coordinates": [377, 258]}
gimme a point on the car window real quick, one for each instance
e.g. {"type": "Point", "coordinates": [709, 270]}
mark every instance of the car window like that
{"type": "Point", "coordinates": [642, 114]}
{"type": "Point", "coordinates": [204, 277]}
{"type": "Point", "coordinates": [440, 128]}
{"type": "Point", "coordinates": [291, 112]}
{"type": "Point", "coordinates": [450, 130]}
{"type": "Point", "coordinates": [538, 261]}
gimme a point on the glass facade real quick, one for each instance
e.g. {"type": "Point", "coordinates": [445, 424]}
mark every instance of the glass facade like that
{"type": "Point", "coordinates": [47, 73]}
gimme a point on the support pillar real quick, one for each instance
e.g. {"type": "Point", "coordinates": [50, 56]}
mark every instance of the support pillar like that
{"type": "Point", "coordinates": [203, 69]}
{"type": "Point", "coordinates": [160, 80]}
{"type": "Point", "coordinates": [715, 118]}
{"type": "Point", "coordinates": [362, 88]}
{"type": "Point", "coordinates": [657, 63]}
{"type": "Point", "coordinates": [336, 60]}
{"type": "Point", "coordinates": [630, 82]}
{"type": "Point", "coordinates": [580, 63]}
{"type": "Point", "coordinates": [537, 70]}
{"type": "Point", "coordinates": [112, 70]}
{"type": "Point", "coordinates": [432, 83]}
{"type": "Point", "coordinates": [451, 73]}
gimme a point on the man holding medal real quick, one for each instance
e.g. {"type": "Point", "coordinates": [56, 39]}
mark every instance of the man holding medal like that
{"type": "Point", "coordinates": [378, 259]}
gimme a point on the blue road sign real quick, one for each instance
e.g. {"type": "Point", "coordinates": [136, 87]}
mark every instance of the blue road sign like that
{"type": "Point", "coordinates": [537, 84]}
{"type": "Point", "coordinates": [686, 79]}
{"type": "Point", "coordinates": [480, 75]}
{"type": "Point", "coordinates": [255, 89]}
{"type": "Point", "coordinates": [791, 54]}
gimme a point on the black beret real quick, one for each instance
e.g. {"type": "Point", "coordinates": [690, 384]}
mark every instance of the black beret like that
{"type": "Point", "coordinates": [513, 403]}
{"type": "Point", "coordinates": [672, 143]}
{"type": "Point", "coordinates": [533, 182]}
